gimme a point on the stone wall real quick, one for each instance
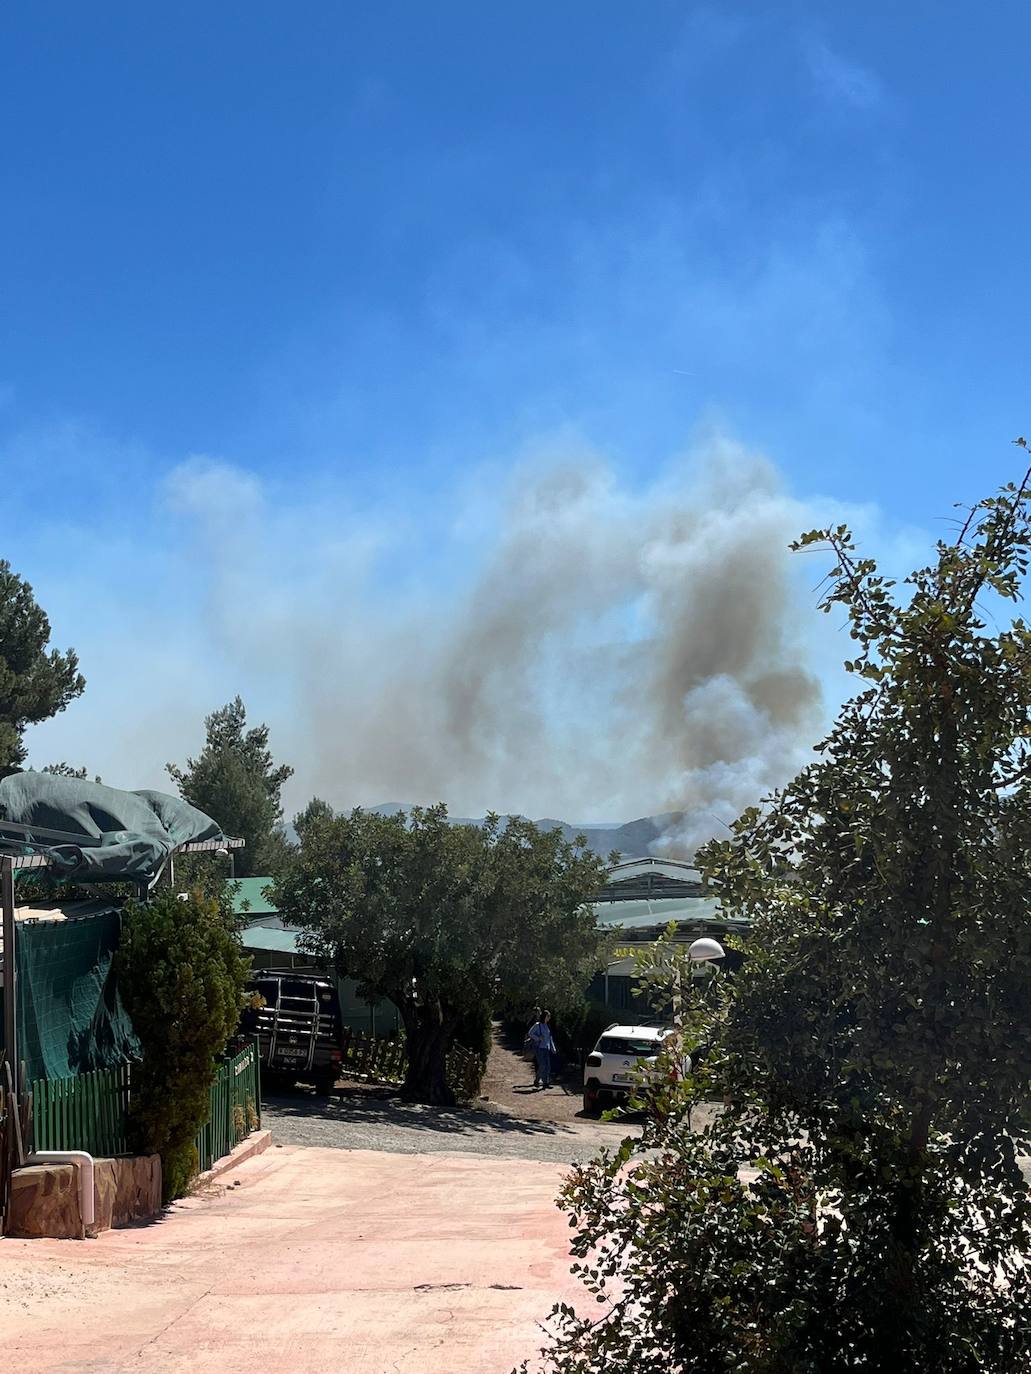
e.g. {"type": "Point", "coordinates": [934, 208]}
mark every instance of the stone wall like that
{"type": "Point", "coordinates": [128, 1190]}
{"type": "Point", "coordinates": [45, 1202]}
{"type": "Point", "coordinates": [45, 1197]}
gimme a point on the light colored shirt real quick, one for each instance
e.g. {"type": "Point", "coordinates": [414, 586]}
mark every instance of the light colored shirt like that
{"type": "Point", "coordinates": [540, 1037]}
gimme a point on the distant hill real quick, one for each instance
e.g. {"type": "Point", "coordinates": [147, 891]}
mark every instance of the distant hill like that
{"type": "Point", "coordinates": [632, 840]}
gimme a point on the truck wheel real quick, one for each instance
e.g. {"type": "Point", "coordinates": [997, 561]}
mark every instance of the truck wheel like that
{"type": "Point", "coordinates": [324, 1084]}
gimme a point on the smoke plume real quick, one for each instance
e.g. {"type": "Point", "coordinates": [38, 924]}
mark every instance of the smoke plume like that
{"type": "Point", "coordinates": [577, 646]}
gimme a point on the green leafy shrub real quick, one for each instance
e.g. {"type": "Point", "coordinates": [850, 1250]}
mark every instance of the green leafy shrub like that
{"type": "Point", "coordinates": [858, 1204]}
{"type": "Point", "coordinates": [576, 1029]}
{"type": "Point", "coordinates": [181, 975]}
{"type": "Point", "coordinates": [476, 1033]}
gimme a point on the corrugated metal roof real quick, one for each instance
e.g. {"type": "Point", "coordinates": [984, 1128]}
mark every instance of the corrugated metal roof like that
{"type": "Point", "coordinates": [250, 899]}
{"type": "Point", "coordinates": [643, 914]}
{"type": "Point", "coordinates": [266, 939]}
{"type": "Point", "coordinates": [265, 931]}
{"type": "Point", "coordinates": [677, 869]}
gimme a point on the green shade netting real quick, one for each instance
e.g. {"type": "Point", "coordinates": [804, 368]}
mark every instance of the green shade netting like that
{"type": "Point", "coordinates": [71, 1018]}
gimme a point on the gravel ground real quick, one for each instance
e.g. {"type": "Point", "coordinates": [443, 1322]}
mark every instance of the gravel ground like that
{"type": "Point", "coordinates": [508, 1085]}
{"type": "Point", "coordinates": [356, 1119]}
{"type": "Point", "coordinates": [512, 1120]}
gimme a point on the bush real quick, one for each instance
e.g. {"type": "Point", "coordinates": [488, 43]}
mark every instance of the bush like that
{"type": "Point", "coordinates": [181, 975]}
{"type": "Point", "coordinates": [179, 1166]}
{"type": "Point", "coordinates": [476, 1033]}
{"type": "Point", "coordinates": [875, 1050]}
{"type": "Point", "coordinates": [576, 1029]}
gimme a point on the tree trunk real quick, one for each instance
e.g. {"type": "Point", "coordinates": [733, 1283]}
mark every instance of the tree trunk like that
{"type": "Point", "coordinates": [428, 1034]}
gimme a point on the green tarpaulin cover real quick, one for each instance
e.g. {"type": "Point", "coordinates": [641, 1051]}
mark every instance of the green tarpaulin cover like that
{"type": "Point", "coordinates": [125, 835]}
{"type": "Point", "coordinates": [71, 1018]}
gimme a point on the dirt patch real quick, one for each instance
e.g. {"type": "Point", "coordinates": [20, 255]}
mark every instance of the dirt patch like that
{"type": "Point", "coordinates": [508, 1084]}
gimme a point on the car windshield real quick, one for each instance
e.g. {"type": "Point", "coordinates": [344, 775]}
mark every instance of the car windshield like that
{"type": "Point", "coordinates": [631, 1048]}
{"type": "Point", "coordinates": [299, 988]}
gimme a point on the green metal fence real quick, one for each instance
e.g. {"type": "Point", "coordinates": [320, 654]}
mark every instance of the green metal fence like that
{"type": "Point", "coordinates": [84, 1113]}
{"type": "Point", "coordinates": [234, 1106]}
{"type": "Point", "coordinates": [90, 1112]}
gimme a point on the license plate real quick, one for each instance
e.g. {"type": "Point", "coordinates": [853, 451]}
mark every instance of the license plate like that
{"type": "Point", "coordinates": [291, 1054]}
{"type": "Point", "coordinates": [622, 1078]}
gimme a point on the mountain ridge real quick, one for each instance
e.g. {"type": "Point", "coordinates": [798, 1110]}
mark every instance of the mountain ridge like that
{"type": "Point", "coordinates": [631, 839]}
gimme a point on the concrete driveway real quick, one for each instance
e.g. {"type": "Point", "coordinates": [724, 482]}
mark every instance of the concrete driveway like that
{"type": "Point", "coordinates": [319, 1259]}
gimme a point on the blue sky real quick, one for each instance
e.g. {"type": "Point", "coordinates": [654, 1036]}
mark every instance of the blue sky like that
{"type": "Point", "coordinates": [355, 267]}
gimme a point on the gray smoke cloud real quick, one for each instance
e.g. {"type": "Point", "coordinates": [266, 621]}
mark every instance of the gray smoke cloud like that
{"type": "Point", "coordinates": [577, 646]}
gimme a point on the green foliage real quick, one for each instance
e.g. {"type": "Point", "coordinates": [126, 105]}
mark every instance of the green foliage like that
{"type": "Point", "coordinates": [180, 1165]}
{"type": "Point", "coordinates": [317, 812]}
{"type": "Point", "coordinates": [35, 683]}
{"type": "Point", "coordinates": [181, 975]}
{"type": "Point", "coordinates": [577, 1028]}
{"type": "Point", "coordinates": [235, 781]}
{"type": "Point", "coordinates": [446, 921]}
{"type": "Point", "coordinates": [65, 770]}
{"type": "Point", "coordinates": [475, 1031]}
{"type": "Point", "coordinates": [875, 1049]}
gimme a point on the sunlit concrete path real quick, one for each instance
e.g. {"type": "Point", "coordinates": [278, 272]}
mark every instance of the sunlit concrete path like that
{"type": "Point", "coordinates": [319, 1259]}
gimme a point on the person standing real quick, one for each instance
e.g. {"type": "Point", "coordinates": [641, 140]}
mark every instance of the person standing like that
{"type": "Point", "coordinates": [543, 1047]}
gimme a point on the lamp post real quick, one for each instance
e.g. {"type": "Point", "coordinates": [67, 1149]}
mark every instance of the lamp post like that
{"type": "Point", "coordinates": [706, 950]}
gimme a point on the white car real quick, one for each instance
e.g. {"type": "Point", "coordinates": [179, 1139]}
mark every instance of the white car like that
{"type": "Point", "coordinates": [610, 1072]}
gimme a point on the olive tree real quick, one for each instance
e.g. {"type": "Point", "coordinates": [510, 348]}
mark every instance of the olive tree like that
{"type": "Point", "coordinates": [859, 1204]}
{"type": "Point", "coordinates": [447, 921]}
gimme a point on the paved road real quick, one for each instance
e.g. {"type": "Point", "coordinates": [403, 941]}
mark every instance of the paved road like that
{"type": "Point", "coordinates": [320, 1260]}
{"type": "Point", "coordinates": [380, 1121]}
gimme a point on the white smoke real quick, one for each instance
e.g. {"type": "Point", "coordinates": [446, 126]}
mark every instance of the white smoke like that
{"type": "Point", "coordinates": [597, 650]}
